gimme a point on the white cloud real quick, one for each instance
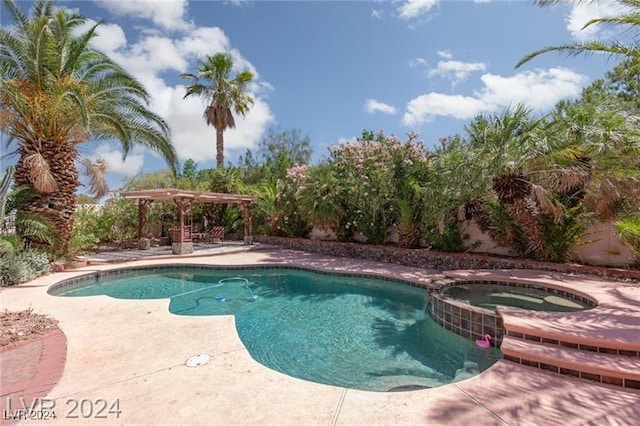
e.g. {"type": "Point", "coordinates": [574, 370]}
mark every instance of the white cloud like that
{"type": "Point", "coordinates": [110, 37]}
{"type": "Point", "coordinates": [445, 54]}
{"type": "Point", "coordinates": [168, 14]}
{"type": "Point", "coordinates": [372, 106]}
{"type": "Point", "coordinates": [539, 89]}
{"type": "Point", "coordinates": [203, 41]}
{"type": "Point", "coordinates": [425, 108]}
{"type": "Point", "coordinates": [456, 71]}
{"type": "Point", "coordinates": [583, 12]}
{"type": "Point", "coordinates": [377, 13]}
{"type": "Point", "coordinates": [482, 1]}
{"type": "Point", "coordinates": [239, 3]}
{"type": "Point", "coordinates": [143, 57]}
{"type": "Point", "coordinates": [181, 52]}
{"type": "Point", "coordinates": [415, 8]}
{"type": "Point", "coordinates": [192, 137]}
{"type": "Point", "coordinates": [112, 154]}
{"type": "Point", "coordinates": [416, 62]}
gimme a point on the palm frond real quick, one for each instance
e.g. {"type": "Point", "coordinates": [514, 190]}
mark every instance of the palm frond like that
{"type": "Point", "coordinates": [40, 173]}
{"type": "Point", "coordinates": [9, 245]}
{"type": "Point", "coordinates": [35, 227]}
{"type": "Point", "coordinates": [95, 171]}
{"type": "Point", "coordinates": [586, 48]}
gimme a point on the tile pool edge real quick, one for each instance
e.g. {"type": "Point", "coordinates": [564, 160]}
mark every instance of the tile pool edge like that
{"type": "Point", "coordinates": [76, 281]}
{"type": "Point", "coordinates": [473, 322]}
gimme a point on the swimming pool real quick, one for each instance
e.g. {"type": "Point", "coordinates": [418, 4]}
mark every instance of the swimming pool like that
{"type": "Point", "coordinates": [354, 332]}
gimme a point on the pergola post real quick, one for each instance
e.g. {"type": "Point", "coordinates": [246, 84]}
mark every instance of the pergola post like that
{"type": "Point", "coordinates": [182, 246]}
{"type": "Point", "coordinates": [248, 224]}
{"type": "Point", "coordinates": [143, 210]}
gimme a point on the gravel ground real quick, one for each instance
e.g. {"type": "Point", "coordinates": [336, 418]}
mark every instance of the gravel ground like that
{"type": "Point", "coordinates": [23, 325]}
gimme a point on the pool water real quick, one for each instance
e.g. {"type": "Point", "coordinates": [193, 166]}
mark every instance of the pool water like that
{"type": "Point", "coordinates": [489, 296]}
{"type": "Point", "coordinates": [352, 332]}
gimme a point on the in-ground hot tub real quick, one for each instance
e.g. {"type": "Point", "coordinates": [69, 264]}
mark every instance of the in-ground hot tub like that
{"type": "Point", "coordinates": [489, 295]}
{"type": "Point", "coordinates": [468, 307]}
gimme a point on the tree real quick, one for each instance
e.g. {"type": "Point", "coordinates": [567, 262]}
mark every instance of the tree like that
{"type": "Point", "coordinates": [31, 226]}
{"type": "Point", "coordinates": [507, 146]}
{"type": "Point", "coordinates": [222, 92]}
{"type": "Point", "coordinates": [629, 17]}
{"type": "Point", "coordinates": [277, 152]}
{"type": "Point", "coordinates": [57, 93]}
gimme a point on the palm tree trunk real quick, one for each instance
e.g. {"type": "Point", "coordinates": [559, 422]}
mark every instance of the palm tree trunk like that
{"type": "Point", "coordinates": [219, 148]}
{"type": "Point", "coordinates": [58, 206]}
{"type": "Point", "coordinates": [524, 211]}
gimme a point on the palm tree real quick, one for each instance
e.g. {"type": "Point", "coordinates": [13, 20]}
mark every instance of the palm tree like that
{"type": "Point", "coordinates": [595, 154]}
{"type": "Point", "coordinates": [27, 227]}
{"type": "Point", "coordinates": [629, 17]}
{"type": "Point", "coordinates": [507, 147]}
{"type": "Point", "coordinates": [320, 198]}
{"type": "Point", "coordinates": [222, 92]}
{"type": "Point", "coordinates": [57, 93]}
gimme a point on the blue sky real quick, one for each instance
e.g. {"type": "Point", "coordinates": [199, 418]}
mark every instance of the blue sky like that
{"type": "Point", "coordinates": [334, 68]}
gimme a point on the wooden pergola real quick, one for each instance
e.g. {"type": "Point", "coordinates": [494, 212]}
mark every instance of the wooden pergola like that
{"type": "Point", "coordinates": [183, 200]}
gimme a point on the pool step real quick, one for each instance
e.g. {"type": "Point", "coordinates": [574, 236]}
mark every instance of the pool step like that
{"type": "Point", "coordinates": [601, 367]}
{"type": "Point", "coordinates": [574, 330]}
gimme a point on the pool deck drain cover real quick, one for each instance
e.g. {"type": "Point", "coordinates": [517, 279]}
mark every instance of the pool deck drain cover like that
{"type": "Point", "coordinates": [198, 360]}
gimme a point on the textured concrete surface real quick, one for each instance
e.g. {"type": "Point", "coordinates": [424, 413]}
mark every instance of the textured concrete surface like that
{"type": "Point", "coordinates": [130, 355]}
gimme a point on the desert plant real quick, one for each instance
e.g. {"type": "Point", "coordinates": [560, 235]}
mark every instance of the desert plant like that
{"type": "Point", "coordinates": [446, 238]}
{"type": "Point", "coordinates": [23, 266]}
{"type": "Point", "coordinates": [629, 233]}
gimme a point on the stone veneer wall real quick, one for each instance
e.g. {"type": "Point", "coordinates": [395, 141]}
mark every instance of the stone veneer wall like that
{"type": "Point", "coordinates": [425, 258]}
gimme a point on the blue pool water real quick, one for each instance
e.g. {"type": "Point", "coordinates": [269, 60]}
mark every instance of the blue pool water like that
{"type": "Point", "coordinates": [359, 333]}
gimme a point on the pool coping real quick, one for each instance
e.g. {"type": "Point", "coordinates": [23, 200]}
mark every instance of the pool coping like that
{"type": "Point", "coordinates": [489, 398]}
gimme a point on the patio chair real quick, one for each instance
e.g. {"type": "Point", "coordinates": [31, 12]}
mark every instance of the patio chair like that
{"type": "Point", "coordinates": [216, 234]}
{"type": "Point", "coordinates": [174, 234]}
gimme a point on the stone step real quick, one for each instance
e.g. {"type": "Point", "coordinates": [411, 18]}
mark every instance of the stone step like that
{"type": "Point", "coordinates": [574, 330]}
{"type": "Point", "coordinates": [605, 368]}
{"type": "Point", "coordinates": [574, 342]}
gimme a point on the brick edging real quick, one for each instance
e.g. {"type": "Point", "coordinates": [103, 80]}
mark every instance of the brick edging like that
{"type": "Point", "coordinates": [52, 362]}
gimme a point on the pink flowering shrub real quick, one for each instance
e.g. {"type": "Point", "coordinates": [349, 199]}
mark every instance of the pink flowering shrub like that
{"type": "Point", "coordinates": [371, 174]}
{"type": "Point", "coordinates": [289, 220]}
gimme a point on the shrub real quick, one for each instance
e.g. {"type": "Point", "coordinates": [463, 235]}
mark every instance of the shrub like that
{"type": "Point", "coordinates": [629, 233]}
{"type": "Point", "coordinates": [289, 219]}
{"type": "Point", "coordinates": [23, 267]}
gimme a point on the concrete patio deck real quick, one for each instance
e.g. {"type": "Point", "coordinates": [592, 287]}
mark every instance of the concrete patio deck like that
{"type": "Point", "coordinates": [134, 352]}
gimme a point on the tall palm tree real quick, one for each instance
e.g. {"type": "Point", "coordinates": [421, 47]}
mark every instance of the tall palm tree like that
{"type": "Point", "coordinates": [57, 93]}
{"type": "Point", "coordinates": [630, 17]}
{"type": "Point", "coordinates": [222, 91]}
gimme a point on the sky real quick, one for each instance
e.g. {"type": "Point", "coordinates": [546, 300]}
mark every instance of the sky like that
{"type": "Point", "coordinates": [335, 68]}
